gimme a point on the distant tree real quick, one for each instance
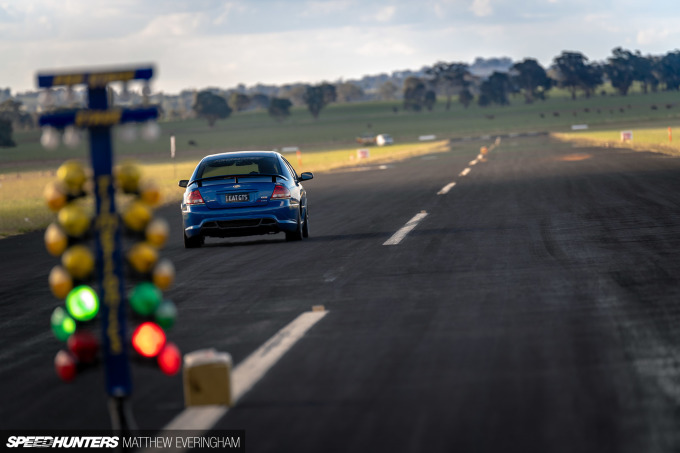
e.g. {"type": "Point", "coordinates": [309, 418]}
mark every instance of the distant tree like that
{"type": "Point", "coordinates": [318, 96]}
{"type": "Point", "coordinates": [296, 94]}
{"type": "Point", "coordinates": [211, 107]}
{"type": "Point", "coordinates": [465, 97]}
{"type": "Point", "coordinates": [347, 92]}
{"type": "Point", "coordinates": [279, 108]}
{"type": "Point", "coordinates": [414, 94]}
{"type": "Point", "coordinates": [483, 99]}
{"type": "Point", "coordinates": [13, 112]}
{"type": "Point", "coordinates": [669, 70]}
{"type": "Point", "coordinates": [571, 70]}
{"type": "Point", "coordinates": [592, 78]}
{"type": "Point", "coordinates": [449, 78]}
{"type": "Point", "coordinates": [387, 91]}
{"type": "Point", "coordinates": [429, 100]}
{"type": "Point", "coordinates": [495, 89]}
{"type": "Point", "coordinates": [530, 77]}
{"type": "Point", "coordinates": [644, 71]}
{"type": "Point", "coordinates": [620, 70]}
{"type": "Point", "coordinates": [10, 107]}
{"type": "Point", "coordinates": [238, 101]}
{"type": "Point", "coordinates": [6, 134]}
{"type": "Point", "coordinates": [259, 101]}
{"type": "Point", "coordinates": [330, 94]}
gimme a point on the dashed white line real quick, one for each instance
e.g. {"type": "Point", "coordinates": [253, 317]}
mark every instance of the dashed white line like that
{"type": "Point", "coordinates": [248, 373]}
{"type": "Point", "coordinates": [444, 190]}
{"type": "Point", "coordinates": [406, 229]}
{"type": "Point", "coordinates": [473, 162]}
{"type": "Point", "coordinates": [465, 172]}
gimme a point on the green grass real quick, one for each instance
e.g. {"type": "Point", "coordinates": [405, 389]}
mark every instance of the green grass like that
{"type": "Point", "coordinates": [329, 141]}
{"type": "Point", "coordinates": [22, 207]}
{"type": "Point", "coordinates": [339, 124]}
{"type": "Point", "coordinates": [652, 139]}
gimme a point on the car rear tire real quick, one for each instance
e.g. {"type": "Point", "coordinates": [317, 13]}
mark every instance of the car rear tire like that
{"type": "Point", "coordinates": [297, 234]}
{"type": "Point", "coordinates": [193, 242]}
{"type": "Point", "coordinates": [305, 226]}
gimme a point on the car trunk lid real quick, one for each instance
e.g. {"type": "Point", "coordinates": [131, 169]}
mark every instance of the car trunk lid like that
{"type": "Point", "coordinates": [226, 195]}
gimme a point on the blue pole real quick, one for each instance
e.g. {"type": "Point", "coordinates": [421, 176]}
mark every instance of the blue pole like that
{"type": "Point", "coordinates": [108, 255]}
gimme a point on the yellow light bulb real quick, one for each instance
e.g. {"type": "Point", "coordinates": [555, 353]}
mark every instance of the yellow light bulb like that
{"type": "Point", "coordinates": [60, 282]}
{"type": "Point", "coordinates": [142, 257]}
{"type": "Point", "coordinates": [55, 240]}
{"type": "Point", "coordinates": [78, 261]}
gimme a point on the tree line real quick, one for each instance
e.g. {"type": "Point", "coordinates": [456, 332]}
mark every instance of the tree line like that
{"type": "Point", "coordinates": [212, 106]}
{"type": "Point", "coordinates": [570, 70]}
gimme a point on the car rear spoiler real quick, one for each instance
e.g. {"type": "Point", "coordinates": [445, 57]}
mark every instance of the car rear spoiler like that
{"type": "Point", "coordinates": [235, 177]}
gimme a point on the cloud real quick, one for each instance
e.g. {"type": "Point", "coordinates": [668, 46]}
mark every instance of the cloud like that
{"type": "Point", "coordinates": [181, 24]}
{"type": "Point", "coordinates": [223, 43]}
{"type": "Point", "coordinates": [481, 8]}
{"type": "Point", "coordinates": [652, 36]}
{"type": "Point", "coordinates": [325, 8]}
{"type": "Point", "coordinates": [385, 14]}
{"type": "Point", "coordinates": [387, 47]}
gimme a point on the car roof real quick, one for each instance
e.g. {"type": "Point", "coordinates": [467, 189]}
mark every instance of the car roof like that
{"type": "Point", "coordinates": [241, 154]}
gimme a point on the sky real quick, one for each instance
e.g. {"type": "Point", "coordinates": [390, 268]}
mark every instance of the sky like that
{"type": "Point", "coordinates": [196, 44]}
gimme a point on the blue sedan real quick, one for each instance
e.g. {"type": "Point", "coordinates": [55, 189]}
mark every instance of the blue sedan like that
{"type": "Point", "coordinates": [244, 193]}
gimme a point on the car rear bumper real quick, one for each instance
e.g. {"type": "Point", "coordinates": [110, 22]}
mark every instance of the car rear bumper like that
{"type": "Point", "coordinates": [199, 220]}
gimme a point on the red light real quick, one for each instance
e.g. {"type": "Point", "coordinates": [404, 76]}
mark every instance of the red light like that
{"type": "Point", "coordinates": [84, 346]}
{"type": "Point", "coordinates": [148, 339]}
{"type": "Point", "coordinates": [65, 366]}
{"type": "Point", "coordinates": [170, 359]}
{"type": "Point", "coordinates": [194, 198]}
{"type": "Point", "coordinates": [280, 193]}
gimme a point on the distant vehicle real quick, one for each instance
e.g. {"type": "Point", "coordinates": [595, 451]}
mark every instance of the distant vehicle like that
{"type": "Point", "coordinates": [242, 194]}
{"type": "Point", "coordinates": [366, 140]}
{"type": "Point", "coordinates": [384, 139]}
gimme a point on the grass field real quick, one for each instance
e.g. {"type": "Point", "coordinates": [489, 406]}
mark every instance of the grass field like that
{"type": "Point", "coordinates": [649, 139]}
{"type": "Point", "coordinates": [22, 207]}
{"type": "Point", "coordinates": [339, 124]}
{"type": "Point", "coordinates": [329, 141]}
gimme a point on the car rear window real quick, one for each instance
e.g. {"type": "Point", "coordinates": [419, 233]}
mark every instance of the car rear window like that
{"type": "Point", "coordinates": [239, 166]}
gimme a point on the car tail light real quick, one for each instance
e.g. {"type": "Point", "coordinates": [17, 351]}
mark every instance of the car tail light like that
{"type": "Point", "coordinates": [280, 193]}
{"type": "Point", "coordinates": [194, 198]}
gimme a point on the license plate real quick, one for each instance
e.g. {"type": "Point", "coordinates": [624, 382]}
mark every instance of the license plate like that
{"type": "Point", "coordinates": [236, 197]}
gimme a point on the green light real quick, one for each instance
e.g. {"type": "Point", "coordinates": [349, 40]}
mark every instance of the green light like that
{"type": "Point", "coordinates": [62, 324]}
{"type": "Point", "coordinates": [145, 298]}
{"type": "Point", "coordinates": [82, 303]}
{"type": "Point", "coordinates": [166, 314]}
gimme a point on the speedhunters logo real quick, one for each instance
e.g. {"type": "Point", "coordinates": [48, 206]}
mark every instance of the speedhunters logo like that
{"type": "Point", "coordinates": [62, 442]}
{"type": "Point", "coordinates": [87, 441]}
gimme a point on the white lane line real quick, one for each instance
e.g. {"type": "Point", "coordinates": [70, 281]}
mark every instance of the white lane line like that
{"type": "Point", "coordinates": [406, 229]}
{"type": "Point", "coordinates": [444, 190]}
{"type": "Point", "coordinates": [248, 373]}
{"type": "Point", "coordinates": [465, 172]}
{"type": "Point", "coordinates": [473, 162]}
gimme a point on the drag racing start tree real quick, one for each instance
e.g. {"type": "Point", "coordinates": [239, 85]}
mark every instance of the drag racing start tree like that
{"type": "Point", "coordinates": [108, 245]}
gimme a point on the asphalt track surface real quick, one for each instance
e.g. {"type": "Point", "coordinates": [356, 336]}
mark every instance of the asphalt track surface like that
{"type": "Point", "coordinates": [534, 309]}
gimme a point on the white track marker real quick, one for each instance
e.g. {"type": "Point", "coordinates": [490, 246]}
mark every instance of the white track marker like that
{"type": "Point", "coordinates": [446, 188]}
{"type": "Point", "coordinates": [248, 373]}
{"type": "Point", "coordinates": [465, 172]}
{"type": "Point", "coordinates": [406, 229]}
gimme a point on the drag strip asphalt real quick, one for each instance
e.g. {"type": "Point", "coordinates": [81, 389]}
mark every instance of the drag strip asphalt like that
{"type": "Point", "coordinates": [532, 309]}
